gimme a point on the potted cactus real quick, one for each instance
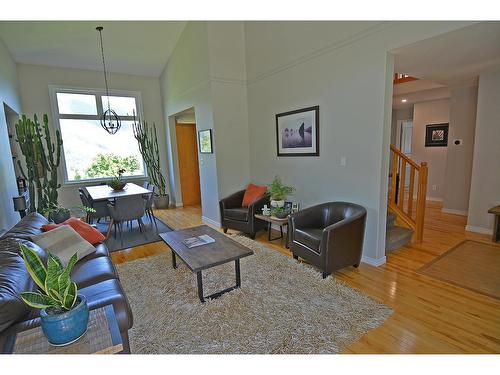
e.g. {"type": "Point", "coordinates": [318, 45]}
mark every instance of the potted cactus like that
{"type": "Point", "coordinates": [64, 314]}
{"type": "Point", "coordinates": [148, 146]}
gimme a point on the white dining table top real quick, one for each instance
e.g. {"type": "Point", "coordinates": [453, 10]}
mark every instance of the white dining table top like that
{"type": "Point", "coordinates": [104, 192]}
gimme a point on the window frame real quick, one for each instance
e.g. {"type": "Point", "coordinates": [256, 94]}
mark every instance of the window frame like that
{"type": "Point", "coordinates": [98, 94]}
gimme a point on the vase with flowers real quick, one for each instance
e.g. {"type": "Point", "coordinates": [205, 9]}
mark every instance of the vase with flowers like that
{"type": "Point", "coordinates": [117, 182]}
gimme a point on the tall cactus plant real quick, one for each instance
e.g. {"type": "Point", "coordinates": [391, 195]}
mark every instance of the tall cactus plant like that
{"type": "Point", "coordinates": [148, 146]}
{"type": "Point", "coordinates": [42, 157]}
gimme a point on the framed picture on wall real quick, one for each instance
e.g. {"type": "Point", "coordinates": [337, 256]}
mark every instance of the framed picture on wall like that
{"type": "Point", "coordinates": [297, 132]}
{"type": "Point", "coordinates": [436, 135]}
{"type": "Point", "coordinates": [205, 141]}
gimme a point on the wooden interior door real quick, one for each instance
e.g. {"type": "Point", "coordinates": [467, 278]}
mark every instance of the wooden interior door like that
{"type": "Point", "coordinates": [187, 150]}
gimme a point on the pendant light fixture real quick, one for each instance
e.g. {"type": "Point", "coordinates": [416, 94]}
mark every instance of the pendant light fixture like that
{"type": "Point", "coordinates": [109, 119]}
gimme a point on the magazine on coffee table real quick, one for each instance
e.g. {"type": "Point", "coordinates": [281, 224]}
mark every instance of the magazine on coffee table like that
{"type": "Point", "coordinates": [198, 241]}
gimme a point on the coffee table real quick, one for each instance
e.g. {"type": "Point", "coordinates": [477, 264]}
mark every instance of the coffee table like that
{"type": "Point", "coordinates": [200, 258]}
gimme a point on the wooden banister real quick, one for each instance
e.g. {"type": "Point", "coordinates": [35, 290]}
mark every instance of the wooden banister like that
{"type": "Point", "coordinates": [401, 196]}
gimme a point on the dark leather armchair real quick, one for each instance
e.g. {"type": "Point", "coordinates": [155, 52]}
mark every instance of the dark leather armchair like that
{"type": "Point", "coordinates": [329, 235]}
{"type": "Point", "coordinates": [233, 216]}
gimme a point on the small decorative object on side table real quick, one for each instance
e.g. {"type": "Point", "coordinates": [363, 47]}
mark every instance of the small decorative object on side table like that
{"type": "Point", "coordinates": [102, 337]}
{"type": "Point", "coordinates": [496, 226]}
{"type": "Point", "coordinates": [274, 220]}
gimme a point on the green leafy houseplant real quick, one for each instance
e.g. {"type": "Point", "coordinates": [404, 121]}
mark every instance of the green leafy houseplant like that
{"type": "Point", "coordinates": [148, 146]}
{"type": "Point", "coordinates": [64, 314]}
{"type": "Point", "coordinates": [279, 212]}
{"type": "Point", "coordinates": [57, 291]}
{"type": "Point", "coordinates": [56, 213]}
{"type": "Point", "coordinates": [117, 182]}
{"type": "Point", "coordinates": [278, 190]}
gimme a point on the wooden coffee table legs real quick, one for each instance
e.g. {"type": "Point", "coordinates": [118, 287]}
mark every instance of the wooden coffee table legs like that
{"type": "Point", "coordinates": [199, 279]}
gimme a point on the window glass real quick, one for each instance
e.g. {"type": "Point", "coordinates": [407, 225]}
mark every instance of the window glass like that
{"type": "Point", "coordinates": [90, 152]}
{"type": "Point", "coordinates": [122, 105]}
{"type": "Point", "coordinates": [76, 104]}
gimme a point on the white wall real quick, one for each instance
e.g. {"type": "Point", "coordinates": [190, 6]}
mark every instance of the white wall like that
{"type": "Point", "coordinates": [485, 184]}
{"type": "Point", "coordinates": [343, 68]}
{"type": "Point", "coordinates": [207, 72]}
{"type": "Point", "coordinates": [9, 94]}
{"type": "Point", "coordinates": [463, 102]}
{"type": "Point", "coordinates": [226, 46]}
{"type": "Point", "coordinates": [425, 113]}
{"type": "Point", "coordinates": [34, 84]}
{"type": "Point", "coordinates": [185, 84]}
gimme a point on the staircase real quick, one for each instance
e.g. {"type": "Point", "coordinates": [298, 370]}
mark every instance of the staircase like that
{"type": "Point", "coordinates": [396, 236]}
{"type": "Point", "coordinates": [407, 181]}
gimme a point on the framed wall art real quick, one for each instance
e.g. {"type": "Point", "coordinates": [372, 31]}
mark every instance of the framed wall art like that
{"type": "Point", "coordinates": [297, 132]}
{"type": "Point", "coordinates": [205, 141]}
{"type": "Point", "coordinates": [436, 135]}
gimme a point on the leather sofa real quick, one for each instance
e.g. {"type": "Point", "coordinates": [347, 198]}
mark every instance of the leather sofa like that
{"type": "Point", "coordinates": [329, 236]}
{"type": "Point", "coordinates": [95, 276]}
{"type": "Point", "coordinates": [233, 216]}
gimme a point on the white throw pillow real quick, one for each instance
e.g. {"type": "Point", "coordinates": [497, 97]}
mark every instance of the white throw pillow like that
{"type": "Point", "coordinates": [64, 241]}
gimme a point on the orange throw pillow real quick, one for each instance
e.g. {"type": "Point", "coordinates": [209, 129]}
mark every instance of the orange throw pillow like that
{"type": "Point", "coordinates": [252, 193]}
{"type": "Point", "coordinates": [85, 230]}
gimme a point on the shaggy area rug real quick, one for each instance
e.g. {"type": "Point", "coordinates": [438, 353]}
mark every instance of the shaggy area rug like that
{"type": "Point", "coordinates": [283, 306]}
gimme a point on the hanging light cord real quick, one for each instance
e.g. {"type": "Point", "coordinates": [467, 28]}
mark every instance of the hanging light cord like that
{"type": "Point", "coordinates": [99, 28]}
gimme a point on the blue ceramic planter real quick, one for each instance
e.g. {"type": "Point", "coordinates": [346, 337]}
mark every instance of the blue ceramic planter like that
{"type": "Point", "coordinates": [63, 329]}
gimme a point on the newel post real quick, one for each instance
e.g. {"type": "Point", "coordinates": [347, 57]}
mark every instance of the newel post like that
{"type": "Point", "coordinates": [421, 199]}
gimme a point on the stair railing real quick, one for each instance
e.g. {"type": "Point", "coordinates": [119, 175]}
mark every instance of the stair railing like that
{"type": "Point", "coordinates": [405, 174]}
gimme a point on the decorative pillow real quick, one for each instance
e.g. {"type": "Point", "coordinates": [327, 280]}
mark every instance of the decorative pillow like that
{"type": "Point", "coordinates": [83, 229]}
{"type": "Point", "coordinates": [252, 193]}
{"type": "Point", "coordinates": [64, 242]}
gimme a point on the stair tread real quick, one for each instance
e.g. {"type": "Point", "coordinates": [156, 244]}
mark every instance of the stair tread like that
{"type": "Point", "coordinates": [391, 219]}
{"type": "Point", "coordinates": [397, 237]}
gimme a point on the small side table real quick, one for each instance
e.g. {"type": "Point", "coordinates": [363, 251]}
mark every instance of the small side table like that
{"type": "Point", "coordinates": [496, 226]}
{"type": "Point", "coordinates": [274, 220]}
{"type": "Point", "coordinates": [102, 337]}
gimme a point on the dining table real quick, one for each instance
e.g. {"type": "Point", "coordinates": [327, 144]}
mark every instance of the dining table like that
{"type": "Point", "coordinates": [104, 192]}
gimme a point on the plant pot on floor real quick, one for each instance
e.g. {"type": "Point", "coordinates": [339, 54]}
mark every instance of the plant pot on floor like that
{"type": "Point", "coordinates": [66, 327]}
{"type": "Point", "coordinates": [59, 216]}
{"type": "Point", "coordinates": [161, 201]}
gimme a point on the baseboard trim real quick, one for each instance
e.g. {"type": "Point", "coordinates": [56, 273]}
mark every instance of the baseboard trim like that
{"type": "Point", "coordinates": [454, 212]}
{"type": "Point", "coordinates": [433, 199]}
{"type": "Point", "coordinates": [374, 262]}
{"type": "Point", "coordinates": [179, 204]}
{"type": "Point", "coordinates": [207, 220]}
{"type": "Point", "coordinates": [472, 228]}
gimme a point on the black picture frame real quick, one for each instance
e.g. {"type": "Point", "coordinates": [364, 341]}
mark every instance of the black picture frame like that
{"type": "Point", "coordinates": [436, 135]}
{"type": "Point", "coordinates": [294, 148]}
{"type": "Point", "coordinates": [204, 147]}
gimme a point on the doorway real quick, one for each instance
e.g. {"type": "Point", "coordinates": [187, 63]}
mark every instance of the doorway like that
{"type": "Point", "coordinates": [189, 170]}
{"type": "Point", "coordinates": [404, 142]}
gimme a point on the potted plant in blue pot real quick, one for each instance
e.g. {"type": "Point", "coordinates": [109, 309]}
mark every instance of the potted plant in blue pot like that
{"type": "Point", "coordinates": [64, 314]}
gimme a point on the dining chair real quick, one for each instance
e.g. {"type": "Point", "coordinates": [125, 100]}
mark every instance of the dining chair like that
{"type": "Point", "coordinates": [149, 204]}
{"type": "Point", "coordinates": [100, 207]}
{"type": "Point", "coordinates": [128, 208]}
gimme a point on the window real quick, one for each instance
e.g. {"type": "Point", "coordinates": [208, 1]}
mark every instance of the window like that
{"type": "Point", "coordinates": [89, 152]}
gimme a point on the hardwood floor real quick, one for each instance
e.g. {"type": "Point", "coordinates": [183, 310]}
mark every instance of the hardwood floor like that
{"type": "Point", "coordinates": [429, 316]}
